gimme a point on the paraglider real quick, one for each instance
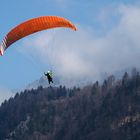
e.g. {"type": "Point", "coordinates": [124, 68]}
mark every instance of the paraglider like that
{"type": "Point", "coordinates": [49, 76]}
{"type": "Point", "coordinates": [32, 26]}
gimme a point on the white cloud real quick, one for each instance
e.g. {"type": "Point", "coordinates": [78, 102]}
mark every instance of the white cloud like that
{"type": "Point", "coordinates": [83, 54]}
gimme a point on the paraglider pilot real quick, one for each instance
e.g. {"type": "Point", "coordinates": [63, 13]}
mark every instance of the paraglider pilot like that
{"type": "Point", "coordinates": [49, 76]}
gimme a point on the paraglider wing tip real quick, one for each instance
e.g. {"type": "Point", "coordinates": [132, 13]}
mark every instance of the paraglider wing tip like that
{"type": "Point", "coordinates": [74, 28]}
{"type": "Point", "coordinates": [1, 51]}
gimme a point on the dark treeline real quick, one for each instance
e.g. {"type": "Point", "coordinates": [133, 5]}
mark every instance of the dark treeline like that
{"type": "Point", "coordinates": [108, 111]}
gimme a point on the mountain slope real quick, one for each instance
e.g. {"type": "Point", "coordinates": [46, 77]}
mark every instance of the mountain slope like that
{"type": "Point", "coordinates": [110, 111]}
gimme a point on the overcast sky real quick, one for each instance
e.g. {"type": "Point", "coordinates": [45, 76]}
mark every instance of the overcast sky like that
{"type": "Point", "coordinates": [107, 41]}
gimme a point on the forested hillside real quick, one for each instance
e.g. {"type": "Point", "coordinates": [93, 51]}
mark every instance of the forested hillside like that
{"type": "Point", "coordinates": [108, 111]}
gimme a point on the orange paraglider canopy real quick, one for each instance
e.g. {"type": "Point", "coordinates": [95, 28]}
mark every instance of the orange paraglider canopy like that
{"type": "Point", "coordinates": [32, 26]}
